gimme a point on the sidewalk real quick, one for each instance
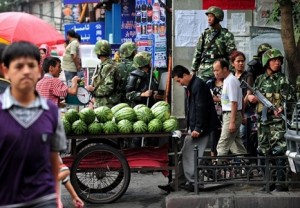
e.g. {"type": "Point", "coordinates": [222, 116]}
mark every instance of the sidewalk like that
{"type": "Point", "coordinates": [234, 196]}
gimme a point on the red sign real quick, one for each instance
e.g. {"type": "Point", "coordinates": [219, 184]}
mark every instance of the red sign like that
{"type": "Point", "coordinates": [230, 4]}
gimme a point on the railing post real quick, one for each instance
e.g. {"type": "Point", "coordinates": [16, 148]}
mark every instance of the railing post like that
{"type": "Point", "coordinates": [196, 171]}
{"type": "Point", "coordinates": [267, 173]}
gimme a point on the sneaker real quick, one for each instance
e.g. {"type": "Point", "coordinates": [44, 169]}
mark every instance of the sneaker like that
{"type": "Point", "coordinates": [188, 187]}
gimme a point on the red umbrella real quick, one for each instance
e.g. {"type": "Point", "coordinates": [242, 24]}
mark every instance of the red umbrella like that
{"type": "Point", "coordinates": [17, 26]}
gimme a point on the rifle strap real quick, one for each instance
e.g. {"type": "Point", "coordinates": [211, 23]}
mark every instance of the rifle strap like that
{"type": "Point", "coordinates": [210, 43]}
{"type": "Point", "coordinates": [98, 85]}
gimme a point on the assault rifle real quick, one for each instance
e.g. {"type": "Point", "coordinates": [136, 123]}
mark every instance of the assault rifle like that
{"type": "Point", "coordinates": [263, 100]}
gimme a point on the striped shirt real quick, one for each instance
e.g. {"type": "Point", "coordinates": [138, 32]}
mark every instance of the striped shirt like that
{"type": "Point", "coordinates": [52, 88]}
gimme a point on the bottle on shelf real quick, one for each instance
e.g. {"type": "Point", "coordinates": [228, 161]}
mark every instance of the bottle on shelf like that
{"type": "Point", "coordinates": [156, 11]}
{"type": "Point", "coordinates": [149, 11]}
{"type": "Point", "coordinates": [144, 11]}
{"type": "Point", "coordinates": [138, 14]}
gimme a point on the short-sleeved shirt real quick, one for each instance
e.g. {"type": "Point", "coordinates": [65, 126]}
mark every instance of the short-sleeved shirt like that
{"type": "Point", "coordinates": [67, 61]}
{"type": "Point", "coordinates": [231, 92]}
{"type": "Point", "coordinates": [28, 136]}
{"type": "Point", "coordinates": [52, 88]}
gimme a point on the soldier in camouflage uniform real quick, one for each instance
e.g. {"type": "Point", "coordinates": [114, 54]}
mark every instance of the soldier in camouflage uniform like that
{"type": "Point", "coordinates": [127, 52]}
{"type": "Point", "coordinates": [214, 43]}
{"type": "Point", "coordinates": [105, 78]}
{"type": "Point", "coordinates": [137, 88]}
{"type": "Point", "coordinates": [138, 92]}
{"type": "Point", "coordinates": [255, 65]}
{"type": "Point", "coordinates": [271, 128]}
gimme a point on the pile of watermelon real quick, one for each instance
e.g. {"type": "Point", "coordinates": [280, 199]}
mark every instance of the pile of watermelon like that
{"type": "Point", "coordinates": [120, 119]}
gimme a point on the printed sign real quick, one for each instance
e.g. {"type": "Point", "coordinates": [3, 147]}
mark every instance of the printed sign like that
{"type": "Point", "coordinates": [90, 32]}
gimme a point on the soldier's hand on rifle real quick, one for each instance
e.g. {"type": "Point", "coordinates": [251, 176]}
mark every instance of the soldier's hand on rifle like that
{"type": "Point", "coordinates": [278, 112]}
{"type": "Point", "coordinates": [252, 99]}
{"type": "Point", "coordinates": [90, 88]}
{"type": "Point", "coordinates": [148, 93]}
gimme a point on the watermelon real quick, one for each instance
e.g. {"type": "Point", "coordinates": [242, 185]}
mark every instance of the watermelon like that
{"type": "Point", "coordinates": [87, 115]}
{"type": "Point", "coordinates": [71, 115]}
{"type": "Point", "coordinates": [139, 106]}
{"type": "Point", "coordinates": [103, 114]}
{"type": "Point", "coordinates": [162, 113]}
{"type": "Point", "coordinates": [125, 126]}
{"type": "Point", "coordinates": [95, 128]}
{"type": "Point", "coordinates": [170, 125]}
{"type": "Point", "coordinates": [118, 107]}
{"type": "Point", "coordinates": [144, 114]}
{"type": "Point", "coordinates": [161, 103]}
{"type": "Point", "coordinates": [67, 126]}
{"type": "Point", "coordinates": [79, 127]}
{"type": "Point", "coordinates": [140, 127]}
{"type": "Point", "coordinates": [155, 125]}
{"type": "Point", "coordinates": [110, 127]}
{"type": "Point", "coordinates": [125, 113]}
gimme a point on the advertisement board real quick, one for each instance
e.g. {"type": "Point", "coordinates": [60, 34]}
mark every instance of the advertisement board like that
{"type": "Point", "coordinates": [150, 26]}
{"type": "Point", "coordinates": [90, 32]}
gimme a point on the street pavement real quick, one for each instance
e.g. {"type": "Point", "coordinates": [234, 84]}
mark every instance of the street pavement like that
{"type": "Point", "coordinates": [141, 193]}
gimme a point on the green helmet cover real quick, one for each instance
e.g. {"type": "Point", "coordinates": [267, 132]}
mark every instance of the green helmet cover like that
{"type": "Point", "coordinates": [126, 49]}
{"type": "Point", "coordinates": [263, 48]}
{"type": "Point", "coordinates": [102, 48]}
{"type": "Point", "coordinates": [141, 59]}
{"type": "Point", "coordinates": [271, 54]}
{"type": "Point", "coordinates": [217, 11]}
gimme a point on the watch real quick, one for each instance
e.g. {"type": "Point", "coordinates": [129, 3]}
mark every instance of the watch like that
{"type": "Point", "coordinates": [83, 95]}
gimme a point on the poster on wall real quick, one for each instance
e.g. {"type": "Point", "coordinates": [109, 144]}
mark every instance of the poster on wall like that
{"type": "Point", "coordinates": [230, 4]}
{"type": "Point", "coordinates": [187, 36]}
{"type": "Point", "coordinates": [127, 21]}
{"type": "Point", "coordinates": [150, 27]}
{"type": "Point", "coordinates": [90, 32]}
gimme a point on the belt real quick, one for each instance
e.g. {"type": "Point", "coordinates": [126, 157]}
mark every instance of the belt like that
{"type": "Point", "coordinates": [239, 111]}
{"type": "Point", "coordinates": [214, 56]}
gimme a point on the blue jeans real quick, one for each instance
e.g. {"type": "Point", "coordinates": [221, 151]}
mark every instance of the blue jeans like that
{"type": "Point", "coordinates": [69, 75]}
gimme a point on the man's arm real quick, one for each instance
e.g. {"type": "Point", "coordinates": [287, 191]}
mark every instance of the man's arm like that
{"type": "Point", "coordinates": [200, 106]}
{"type": "Point", "coordinates": [55, 162]}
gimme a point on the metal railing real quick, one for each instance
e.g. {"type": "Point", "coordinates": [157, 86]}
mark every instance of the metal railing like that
{"type": "Point", "coordinates": [240, 169]}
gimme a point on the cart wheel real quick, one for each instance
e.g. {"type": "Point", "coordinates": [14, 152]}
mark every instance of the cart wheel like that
{"type": "Point", "coordinates": [90, 142]}
{"type": "Point", "coordinates": [100, 174]}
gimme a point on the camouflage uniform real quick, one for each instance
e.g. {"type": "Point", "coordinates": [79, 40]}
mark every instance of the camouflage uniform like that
{"type": "Point", "coordinates": [271, 129]}
{"type": "Point", "coordinates": [220, 48]}
{"type": "Point", "coordinates": [127, 51]}
{"type": "Point", "coordinates": [104, 78]}
{"type": "Point", "coordinates": [255, 65]}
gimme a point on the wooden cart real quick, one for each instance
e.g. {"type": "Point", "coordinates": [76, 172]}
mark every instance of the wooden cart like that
{"type": "Point", "coordinates": [101, 169]}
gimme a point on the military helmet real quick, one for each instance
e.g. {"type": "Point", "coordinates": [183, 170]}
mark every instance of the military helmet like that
{"type": "Point", "coordinates": [217, 11]}
{"type": "Point", "coordinates": [271, 54]}
{"type": "Point", "coordinates": [126, 49]}
{"type": "Point", "coordinates": [141, 59]}
{"type": "Point", "coordinates": [102, 48]}
{"type": "Point", "coordinates": [263, 48]}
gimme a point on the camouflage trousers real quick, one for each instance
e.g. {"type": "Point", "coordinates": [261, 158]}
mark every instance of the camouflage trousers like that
{"type": "Point", "coordinates": [271, 141]}
{"type": "Point", "coordinates": [271, 138]}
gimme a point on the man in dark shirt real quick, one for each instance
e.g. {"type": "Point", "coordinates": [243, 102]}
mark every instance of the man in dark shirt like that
{"type": "Point", "coordinates": [202, 121]}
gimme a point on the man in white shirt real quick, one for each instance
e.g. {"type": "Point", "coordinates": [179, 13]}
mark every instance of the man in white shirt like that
{"type": "Point", "coordinates": [231, 100]}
